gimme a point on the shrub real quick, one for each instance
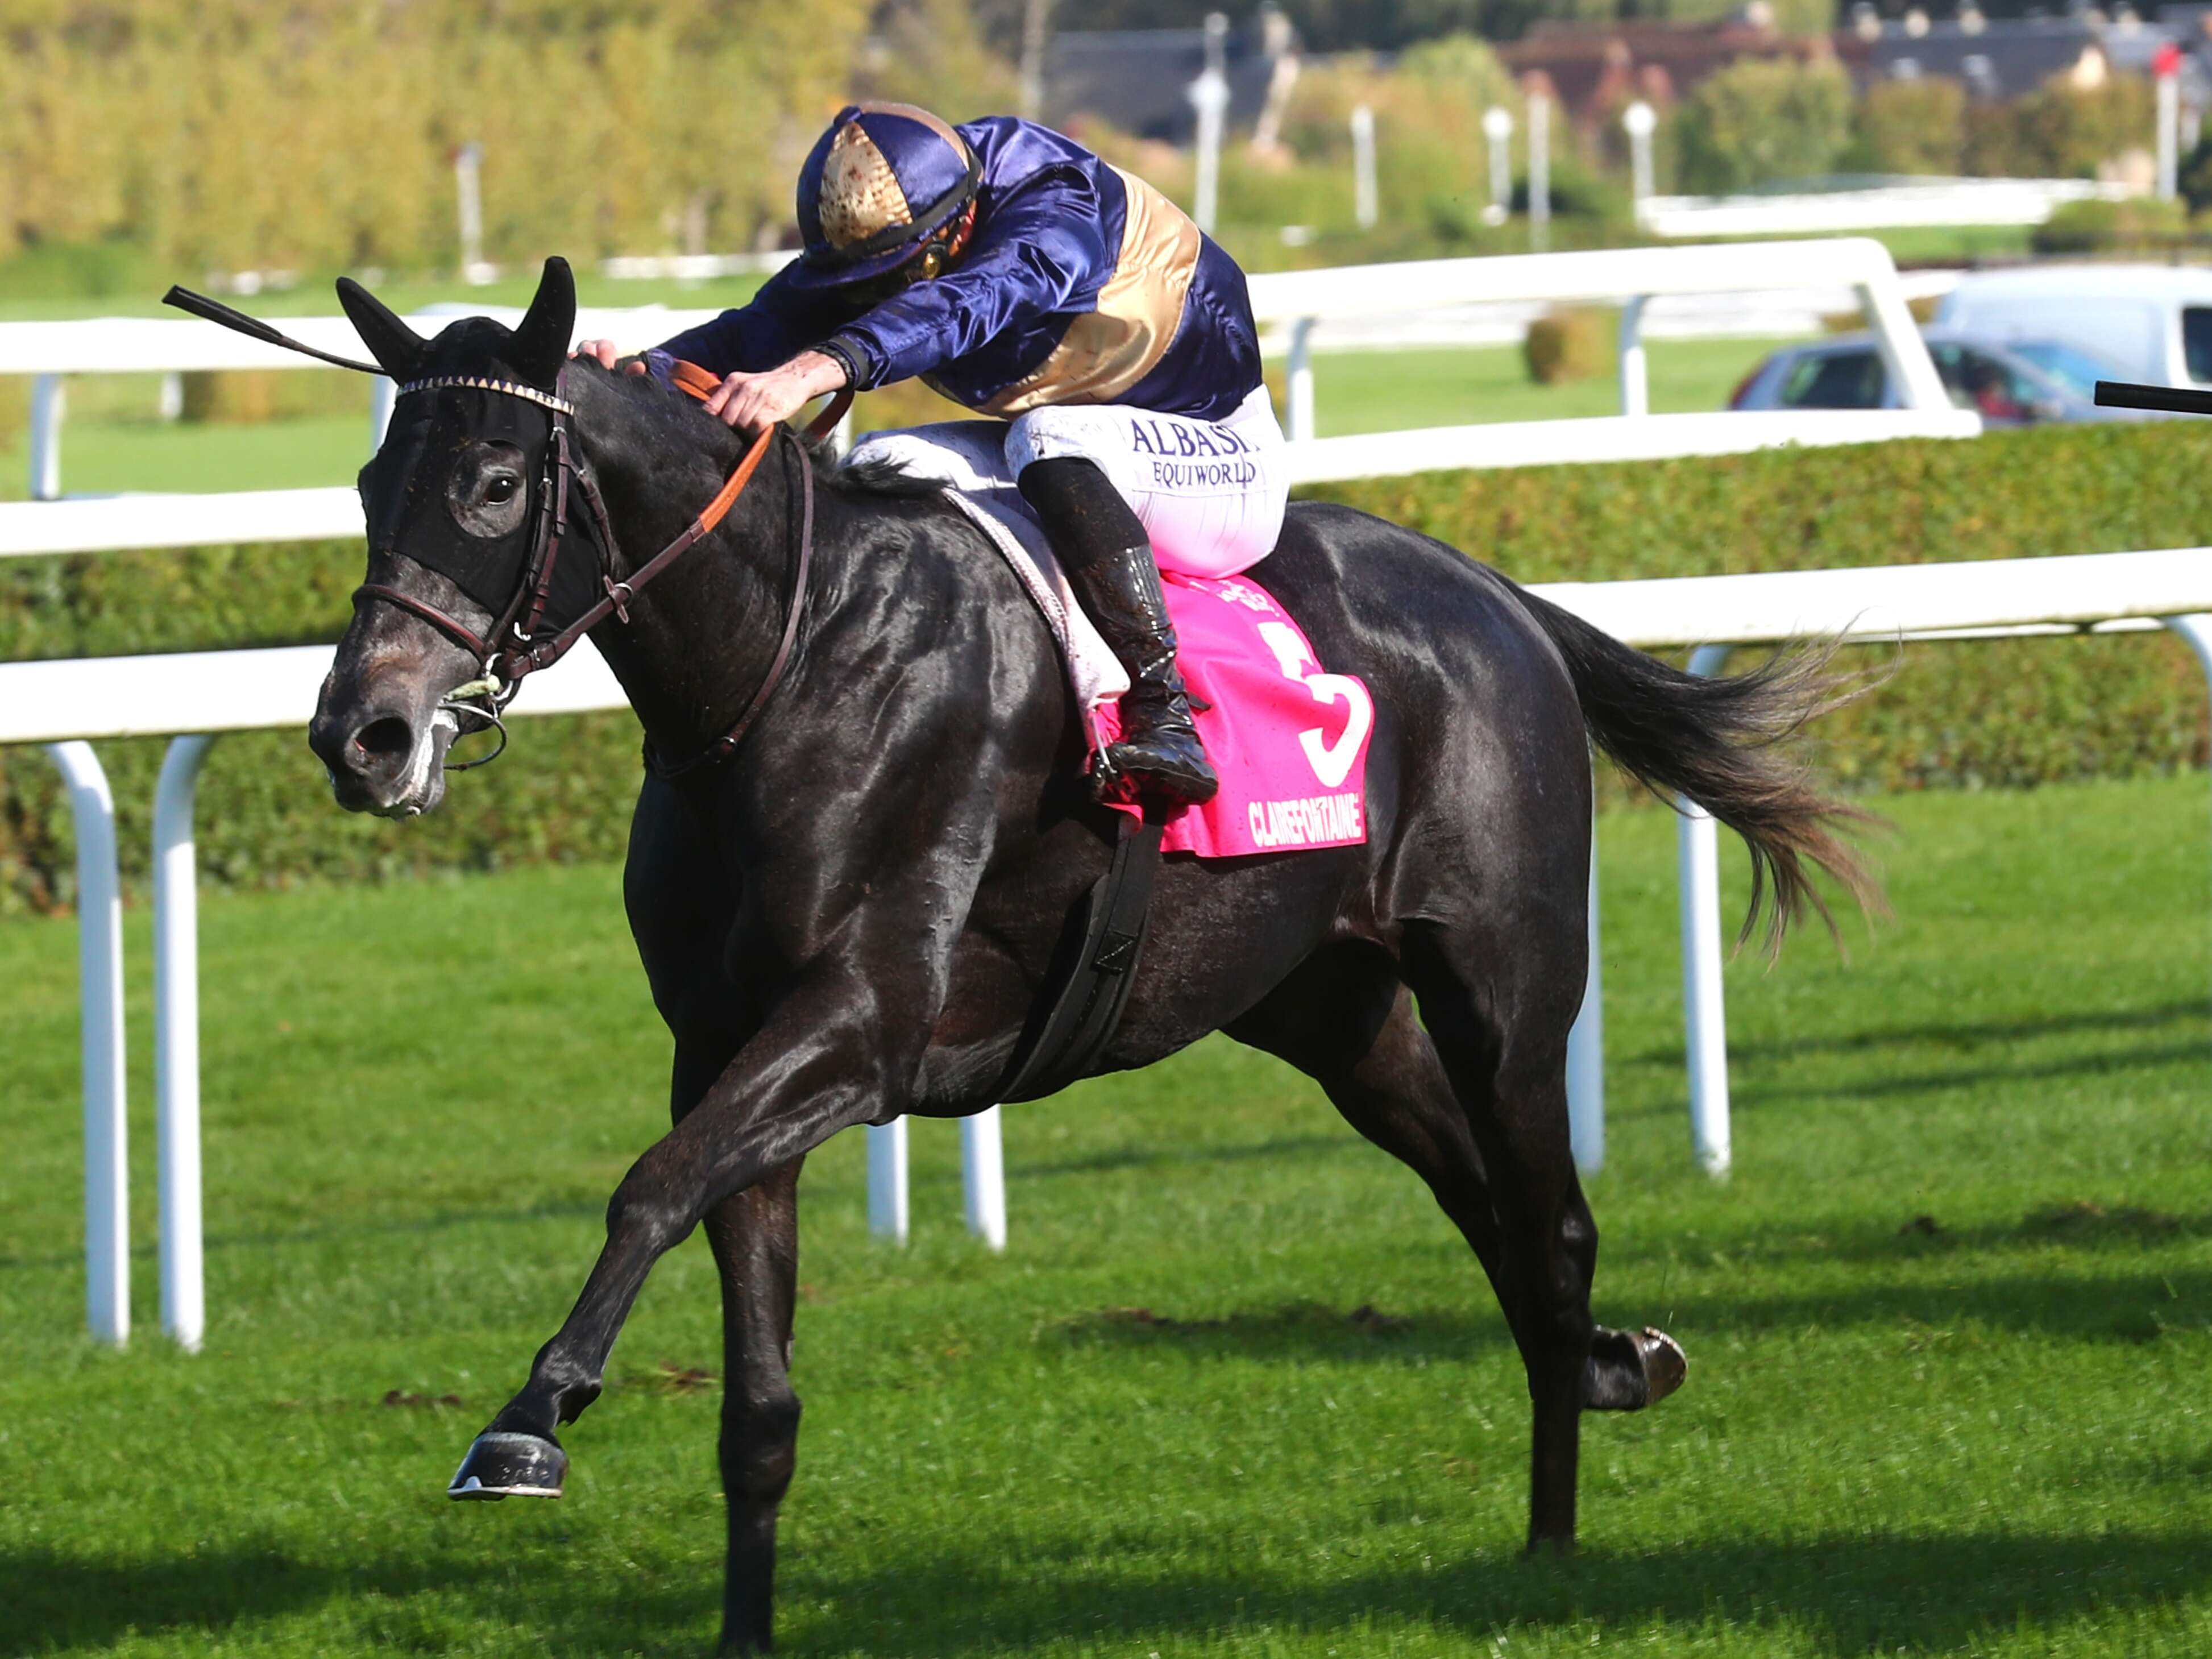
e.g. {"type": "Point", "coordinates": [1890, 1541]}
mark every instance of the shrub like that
{"type": "Point", "coordinates": [2099, 226]}
{"type": "Point", "coordinates": [2013, 713]}
{"type": "Point", "coordinates": [2008, 713]}
{"type": "Point", "coordinates": [2196, 171]}
{"type": "Point", "coordinates": [1913, 126]}
{"type": "Point", "coordinates": [1763, 120]}
{"type": "Point", "coordinates": [243, 396]}
{"type": "Point", "coordinates": [1570, 343]}
{"type": "Point", "coordinates": [2059, 132]}
{"type": "Point", "coordinates": [15, 408]}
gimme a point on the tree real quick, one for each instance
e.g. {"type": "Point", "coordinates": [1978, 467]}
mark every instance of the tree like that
{"type": "Point", "coordinates": [1763, 120]}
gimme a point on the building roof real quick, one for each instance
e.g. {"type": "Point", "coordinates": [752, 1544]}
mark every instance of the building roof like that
{"type": "Point", "coordinates": [1998, 58]}
{"type": "Point", "coordinates": [1592, 68]}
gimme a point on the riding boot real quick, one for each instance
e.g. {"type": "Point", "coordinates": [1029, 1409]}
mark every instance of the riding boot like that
{"type": "Point", "coordinates": [1101, 545]}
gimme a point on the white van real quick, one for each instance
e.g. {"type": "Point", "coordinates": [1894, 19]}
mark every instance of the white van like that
{"type": "Point", "coordinates": [2150, 322]}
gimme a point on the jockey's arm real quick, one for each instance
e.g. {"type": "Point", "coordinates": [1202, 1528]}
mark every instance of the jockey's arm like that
{"type": "Point", "coordinates": [1030, 258]}
{"type": "Point", "coordinates": [752, 350]}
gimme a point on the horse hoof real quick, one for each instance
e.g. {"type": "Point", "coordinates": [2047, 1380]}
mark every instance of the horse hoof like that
{"type": "Point", "coordinates": [502, 1464]}
{"type": "Point", "coordinates": [1665, 1364]}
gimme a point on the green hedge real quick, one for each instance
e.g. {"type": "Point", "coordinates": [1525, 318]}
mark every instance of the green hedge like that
{"type": "Point", "coordinates": [2004, 713]}
{"type": "Point", "coordinates": [265, 818]}
{"type": "Point", "coordinates": [1970, 714]}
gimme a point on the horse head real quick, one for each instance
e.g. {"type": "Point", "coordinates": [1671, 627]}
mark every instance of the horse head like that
{"type": "Point", "coordinates": [460, 501]}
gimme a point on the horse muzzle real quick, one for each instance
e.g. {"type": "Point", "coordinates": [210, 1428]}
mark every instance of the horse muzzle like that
{"type": "Point", "coordinates": [388, 762]}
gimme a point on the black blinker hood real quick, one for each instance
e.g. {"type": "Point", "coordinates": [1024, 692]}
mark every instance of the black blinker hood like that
{"type": "Point", "coordinates": [403, 487]}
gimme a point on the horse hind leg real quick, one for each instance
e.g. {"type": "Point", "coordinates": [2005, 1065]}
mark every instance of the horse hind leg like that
{"type": "Point", "coordinates": [1347, 1021]}
{"type": "Point", "coordinates": [1509, 1078]}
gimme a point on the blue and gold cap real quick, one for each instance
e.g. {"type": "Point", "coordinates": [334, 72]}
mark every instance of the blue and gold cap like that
{"type": "Point", "coordinates": [882, 181]}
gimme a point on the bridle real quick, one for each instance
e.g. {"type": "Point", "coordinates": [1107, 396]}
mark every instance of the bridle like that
{"type": "Point", "coordinates": [512, 648]}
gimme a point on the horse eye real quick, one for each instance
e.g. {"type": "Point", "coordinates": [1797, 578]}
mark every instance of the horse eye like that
{"type": "Point", "coordinates": [499, 490]}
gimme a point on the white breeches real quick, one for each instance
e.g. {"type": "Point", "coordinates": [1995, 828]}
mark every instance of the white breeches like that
{"type": "Point", "coordinates": [1211, 494]}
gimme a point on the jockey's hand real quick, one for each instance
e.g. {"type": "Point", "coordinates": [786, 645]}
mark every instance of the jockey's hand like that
{"type": "Point", "coordinates": [751, 402]}
{"type": "Point", "coordinates": [603, 353]}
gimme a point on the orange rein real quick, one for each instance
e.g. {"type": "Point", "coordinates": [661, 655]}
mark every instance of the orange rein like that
{"type": "Point", "coordinates": [690, 377]}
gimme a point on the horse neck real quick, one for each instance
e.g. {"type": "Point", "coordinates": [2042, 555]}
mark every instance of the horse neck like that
{"type": "Point", "coordinates": [700, 637]}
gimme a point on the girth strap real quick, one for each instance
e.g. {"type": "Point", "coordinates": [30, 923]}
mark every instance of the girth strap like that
{"type": "Point", "coordinates": [1085, 1009]}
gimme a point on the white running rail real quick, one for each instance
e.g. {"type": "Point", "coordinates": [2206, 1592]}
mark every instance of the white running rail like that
{"type": "Point", "coordinates": [63, 703]}
{"type": "Point", "coordinates": [1305, 302]}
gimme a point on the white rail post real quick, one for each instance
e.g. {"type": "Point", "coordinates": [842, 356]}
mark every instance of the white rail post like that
{"type": "Point", "coordinates": [1705, 1017]}
{"type": "Point", "coordinates": [99, 973]}
{"type": "Point", "coordinates": [383, 392]}
{"type": "Point", "coordinates": [1036, 18]}
{"type": "Point", "coordinates": [1299, 379]}
{"type": "Point", "coordinates": [1635, 373]}
{"type": "Point", "coordinates": [1586, 1047]}
{"type": "Point", "coordinates": [177, 1044]}
{"type": "Point", "coordinates": [2166, 73]}
{"type": "Point", "coordinates": [1209, 96]}
{"type": "Point", "coordinates": [887, 1182]}
{"type": "Point", "coordinates": [1365, 210]}
{"type": "Point", "coordinates": [1909, 366]}
{"type": "Point", "coordinates": [49, 403]}
{"type": "Point", "coordinates": [1641, 120]}
{"type": "Point", "coordinates": [1498, 134]}
{"type": "Point", "coordinates": [1539, 171]}
{"type": "Point", "coordinates": [2197, 630]}
{"type": "Point", "coordinates": [468, 195]}
{"type": "Point", "coordinates": [983, 1178]}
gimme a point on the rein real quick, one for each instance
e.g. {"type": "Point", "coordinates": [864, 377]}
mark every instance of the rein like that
{"type": "Point", "coordinates": [509, 652]}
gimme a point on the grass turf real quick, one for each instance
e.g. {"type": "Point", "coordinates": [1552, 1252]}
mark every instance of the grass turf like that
{"type": "Point", "coordinates": [1983, 1432]}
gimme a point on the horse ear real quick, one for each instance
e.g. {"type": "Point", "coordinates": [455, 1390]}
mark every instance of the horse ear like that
{"type": "Point", "coordinates": [541, 344]}
{"type": "Point", "coordinates": [395, 347]}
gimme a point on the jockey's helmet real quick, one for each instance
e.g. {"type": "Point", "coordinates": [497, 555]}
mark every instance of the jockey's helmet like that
{"type": "Point", "coordinates": [884, 184]}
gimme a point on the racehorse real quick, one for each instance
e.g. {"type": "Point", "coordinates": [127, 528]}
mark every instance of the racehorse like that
{"type": "Point", "coordinates": [850, 906]}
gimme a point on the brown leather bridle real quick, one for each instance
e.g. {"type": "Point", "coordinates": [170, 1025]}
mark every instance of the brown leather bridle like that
{"type": "Point", "coordinates": [509, 651]}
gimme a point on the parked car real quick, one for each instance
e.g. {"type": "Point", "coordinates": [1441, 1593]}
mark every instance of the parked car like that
{"type": "Point", "coordinates": [2007, 384]}
{"type": "Point", "coordinates": [2150, 322]}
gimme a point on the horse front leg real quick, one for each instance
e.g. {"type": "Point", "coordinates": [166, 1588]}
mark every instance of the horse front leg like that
{"type": "Point", "coordinates": [754, 1238]}
{"type": "Point", "coordinates": [823, 1063]}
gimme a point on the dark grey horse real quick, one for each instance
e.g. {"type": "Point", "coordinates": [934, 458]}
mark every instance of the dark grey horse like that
{"type": "Point", "coordinates": [855, 915]}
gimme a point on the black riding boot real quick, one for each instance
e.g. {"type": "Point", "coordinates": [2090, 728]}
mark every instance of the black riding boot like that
{"type": "Point", "coordinates": [1101, 545]}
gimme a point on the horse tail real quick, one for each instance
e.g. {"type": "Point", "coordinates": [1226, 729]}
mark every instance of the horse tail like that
{"type": "Point", "coordinates": [1718, 742]}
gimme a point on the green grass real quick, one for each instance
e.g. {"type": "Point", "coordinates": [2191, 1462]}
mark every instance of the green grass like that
{"type": "Point", "coordinates": [114, 440]}
{"type": "Point", "coordinates": [1387, 390]}
{"type": "Point", "coordinates": [1989, 1434]}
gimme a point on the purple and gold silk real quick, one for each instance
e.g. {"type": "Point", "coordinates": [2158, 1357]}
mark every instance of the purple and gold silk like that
{"type": "Point", "coordinates": [1082, 284]}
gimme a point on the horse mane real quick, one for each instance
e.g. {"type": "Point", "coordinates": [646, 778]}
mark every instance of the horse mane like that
{"type": "Point", "coordinates": [878, 476]}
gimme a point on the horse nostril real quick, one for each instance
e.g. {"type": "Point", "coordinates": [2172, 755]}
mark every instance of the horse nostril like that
{"type": "Point", "coordinates": [388, 739]}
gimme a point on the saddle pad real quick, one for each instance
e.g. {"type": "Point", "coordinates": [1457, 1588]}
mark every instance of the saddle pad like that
{"type": "Point", "coordinates": [1289, 740]}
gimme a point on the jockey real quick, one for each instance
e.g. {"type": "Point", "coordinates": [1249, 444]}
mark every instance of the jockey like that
{"type": "Point", "coordinates": [1019, 274]}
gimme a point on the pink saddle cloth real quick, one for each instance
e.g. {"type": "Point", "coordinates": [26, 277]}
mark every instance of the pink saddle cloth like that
{"type": "Point", "coordinates": [1289, 740]}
